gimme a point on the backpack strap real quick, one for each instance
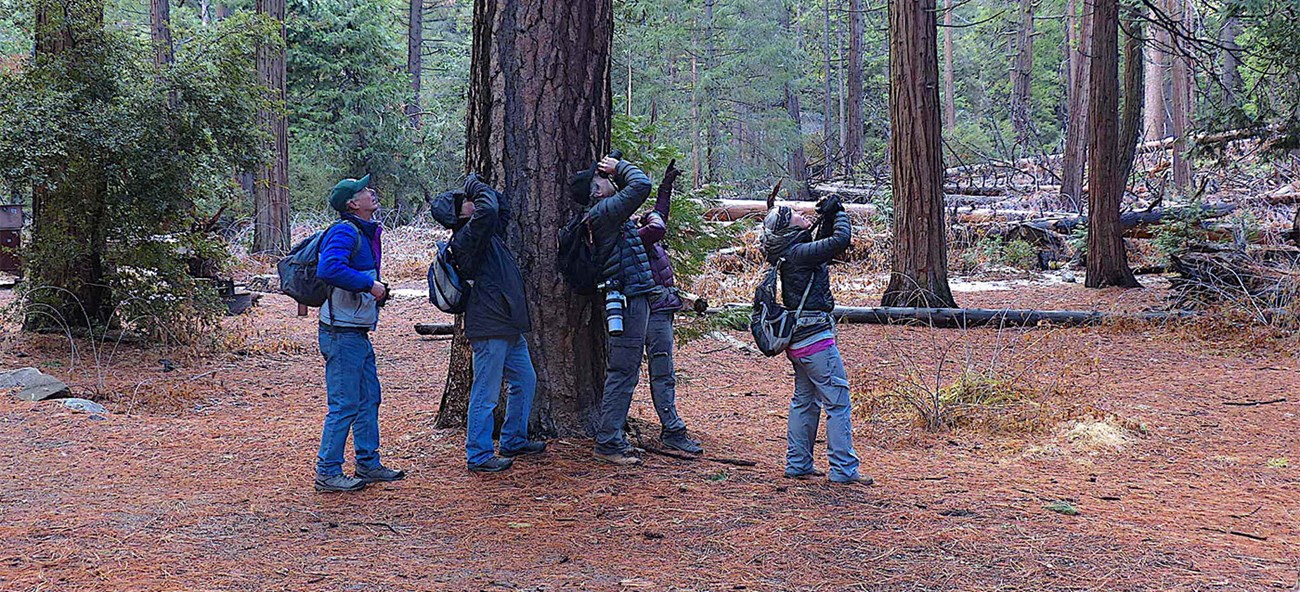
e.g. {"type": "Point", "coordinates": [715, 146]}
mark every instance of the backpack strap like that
{"type": "Point", "coordinates": [807, 287]}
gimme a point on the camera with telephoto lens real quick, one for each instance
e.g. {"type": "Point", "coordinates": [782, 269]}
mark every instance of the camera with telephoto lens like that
{"type": "Point", "coordinates": [614, 304]}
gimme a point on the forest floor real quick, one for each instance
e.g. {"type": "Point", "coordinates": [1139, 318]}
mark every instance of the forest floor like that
{"type": "Point", "coordinates": [200, 478]}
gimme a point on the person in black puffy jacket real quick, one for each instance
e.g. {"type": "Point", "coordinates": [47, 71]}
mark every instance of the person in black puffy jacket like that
{"type": "Point", "coordinates": [820, 379]}
{"type": "Point", "coordinates": [496, 320]}
{"type": "Point", "coordinates": [613, 190]}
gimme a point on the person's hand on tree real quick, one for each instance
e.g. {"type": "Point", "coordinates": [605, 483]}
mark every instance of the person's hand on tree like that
{"type": "Point", "coordinates": [607, 166]}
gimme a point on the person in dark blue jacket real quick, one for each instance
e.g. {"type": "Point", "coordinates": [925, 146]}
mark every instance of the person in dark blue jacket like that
{"type": "Point", "coordinates": [349, 263]}
{"type": "Point", "coordinates": [496, 319]}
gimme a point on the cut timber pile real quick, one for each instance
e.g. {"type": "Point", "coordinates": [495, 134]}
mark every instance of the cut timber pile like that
{"type": "Point", "coordinates": [1262, 279]}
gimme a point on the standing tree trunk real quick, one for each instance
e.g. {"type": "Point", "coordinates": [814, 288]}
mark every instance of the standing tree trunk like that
{"type": "Point", "coordinates": [1022, 75]}
{"type": "Point", "coordinates": [414, 47]}
{"type": "Point", "coordinates": [1181, 94]}
{"type": "Point", "coordinates": [160, 31]}
{"type": "Point", "coordinates": [271, 187]}
{"type": "Point", "coordinates": [65, 266]}
{"type": "Point", "coordinates": [854, 92]}
{"type": "Point", "coordinates": [1130, 127]}
{"type": "Point", "coordinates": [796, 161]}
{"type": "Point", "coordinates": [1077, 130]}
{"type": "Point", "coordinates": [1230, 59]}
{"type": "Point", "coordinates": [919, 271]}
{"type": "Point", "coordinates": [1107, 262]}
{"type": "Point", "coordinates": [697, 95]}
{"type": "Point", "coordinates": [949, 84]}
{"type": "Point", "coordinates": [1157, 58]}
{"type": "Point", "coordinates": [529, 125]}
{"type": "Point", "coordinates": [711, 113]}
{"type": "Point", "coordinates": [828, 148]}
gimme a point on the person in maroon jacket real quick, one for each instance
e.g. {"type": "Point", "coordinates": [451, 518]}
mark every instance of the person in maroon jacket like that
{"type": "Point", "coordinates": [659, 333]}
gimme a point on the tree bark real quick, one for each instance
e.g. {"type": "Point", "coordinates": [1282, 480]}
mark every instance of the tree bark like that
{"type": "Point", "coordinates": [160, 31]}
{"type": "Point", "coordinates": [1077, 129]}
{"type": "Point", "coordinates": [1130, 128]}
{"type": "Point", "coordinates": [711, 112]}
{"type": "Point", "coordinates": [1230, 59]}
{"type": "Point", "coordinates": [1157, 65]}
{"type": "Point", "coordinates": [1181, 100]}
{"type": "Point", "coordinates": [854, 92]}
{"type": "Point", "coordinates": [414, 47]}
{"type": "Point", "coordinates": [529, 125]}
{"type": "Point", "coordinates": [796, 161]}
{"type": "Point", "coordinates": [828, 147]}
{"type": "Point", "coordinates": [65, 266]}
{"type": "Point", "coordinates": [1022, 73]}
{"type": "Point", "coordinates": [1107, 263]}
{"type": "Point", "coordinates": [949, 84]}
{"type": "Point", "coordinates": [919, 270]}
{"type": "Point", "coordinates": [271, 187]}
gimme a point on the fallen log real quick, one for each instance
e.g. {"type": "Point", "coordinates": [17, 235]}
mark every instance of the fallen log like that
{"type": "Point", "coordinates": [962, 318]}
{"type": "Point", "coordinates": [731, 210]}
{"type": "Point", "coordinates": [433, 328]}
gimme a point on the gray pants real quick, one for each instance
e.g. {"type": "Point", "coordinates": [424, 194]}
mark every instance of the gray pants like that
{"type": "Point", "coordinates": [663, 380]}
{"type": "Point", "coordinates": [622, 370]}
{"type": "Point", "coordinates": [820, 383]}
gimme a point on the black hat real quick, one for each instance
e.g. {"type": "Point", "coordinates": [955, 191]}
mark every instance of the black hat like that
{"type": "Point", "coordinates": [580, 185]}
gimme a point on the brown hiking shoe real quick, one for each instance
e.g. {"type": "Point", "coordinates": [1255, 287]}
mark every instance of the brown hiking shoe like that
{"type": "Point", "coordinates": [622, 459]}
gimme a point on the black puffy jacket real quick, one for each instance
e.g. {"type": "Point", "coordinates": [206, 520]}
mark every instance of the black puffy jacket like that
{"type": "Point", "coordinates": [496, 306]}
{"type": "Point", "coordinates": [805, 261]}
{"type": "Point", "coordinates": [617, 242]}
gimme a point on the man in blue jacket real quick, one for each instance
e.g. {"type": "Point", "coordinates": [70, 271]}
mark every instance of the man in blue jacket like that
{"type": "Point", "coordinates": [496, 319]}
{"type": "Point", "coordinates": [349, 264]}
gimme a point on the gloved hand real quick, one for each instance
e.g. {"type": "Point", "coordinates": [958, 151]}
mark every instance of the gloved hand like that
{"type": "Point", "coordinates": [671, 174]}
{"type": "Point", "coordinates": [828, 206]}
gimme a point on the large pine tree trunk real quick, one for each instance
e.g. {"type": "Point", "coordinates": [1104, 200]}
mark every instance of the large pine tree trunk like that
{"type": "Point", "coordinates": [271, 187]}
{"type": "Point", "coordinates": [1077, 129]}
{"type": "Point", "coordinates": [529, 125]}
{"type": "Point", "coordinates": [414, 45]}
{"type": "Point", "coordinates": [1022, 75]}
{"type": "Point", "coordinates": [853, 96]}
{"type": "Point", "coordinates": [1181, 98]}
{"type": "Point", "coordinates": [919, 271]}
{"type": "Point", "coordinates": [1157, 65]}
{"type": "Point", "coordinates": [949, 84]}
{"type": "Point", "coordinates": [1107, 263]}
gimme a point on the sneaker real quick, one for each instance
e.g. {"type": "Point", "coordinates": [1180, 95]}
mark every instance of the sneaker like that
{"type": "Point", "coordinates": [380, 473]}
{"type": "Point", "coordinates": [854, 480]}
{"type": "Point", "coordinates": [532, 447]}
{"type": "Point", "coordinates": [339, 483]}
{"type": "Point", "coordinates": [680, 440]}
{"type": "Point", "coordinates": [495, 464]}
{"type": "Point", "coordinates": [622, 458]}
{"type": "Point", "coordinates": [805, 476]}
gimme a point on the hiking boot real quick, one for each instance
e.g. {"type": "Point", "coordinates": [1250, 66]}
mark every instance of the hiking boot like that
{"type": "Point", "coordinates": [622, 458]}
{"type": "Point", "coordinates": [495, 464]}
{"type": "Point", "coordinates": [339, 483]}
{"type": "Point", "coordinates": [854, 480]}
{"type": "Point", "coordinates": [532, 447]}
{"type": "Point", "coordinates": [805, 476]}
{"type": "Point", "coordinates": [380, 473]}
{"type": "Point", "coordinates": [680, 440]}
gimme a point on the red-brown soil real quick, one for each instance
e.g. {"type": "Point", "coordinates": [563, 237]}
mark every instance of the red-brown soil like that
{"type": "Point", "coordinates": [201, 478]}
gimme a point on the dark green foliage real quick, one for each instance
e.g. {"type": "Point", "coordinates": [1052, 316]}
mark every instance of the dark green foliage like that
{"type": "Point", "coordinates": [122, 161]}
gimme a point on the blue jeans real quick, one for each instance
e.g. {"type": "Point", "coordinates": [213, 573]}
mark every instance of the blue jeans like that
{"type": "Point", "coordinates": [820, 383]}
{"type": "Point", "coordinates": [494, 359]}
{"type": "Point", "coordinates": [663, 380]}
{"type": "Point", "coordinates": [352, 388]}
{"type": "Point", "coordinates": [622, 371]}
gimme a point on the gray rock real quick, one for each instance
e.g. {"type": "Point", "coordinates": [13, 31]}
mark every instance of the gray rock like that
{"type": "Point", "coordinates": [85, 406]}
{"type": "Point", "coordinates": [29, 384]}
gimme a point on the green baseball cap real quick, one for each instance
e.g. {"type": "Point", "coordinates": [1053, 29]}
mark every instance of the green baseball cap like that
{"type": "Point", "coordinates": [344, 190]}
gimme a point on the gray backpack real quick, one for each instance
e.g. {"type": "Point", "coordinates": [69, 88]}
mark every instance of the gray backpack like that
{"type": "Point", "coordinates": [769, 322]}
{"type": "Point", "coordinates": [297, 270]}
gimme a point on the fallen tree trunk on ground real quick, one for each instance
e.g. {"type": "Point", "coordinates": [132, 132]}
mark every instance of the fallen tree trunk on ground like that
{"type": "Point", "coordinates": [433, 328]}
{"type": "Point", "coordinates": [962, 318]}
{"type": "Point", "coordinates": [731, 210]}
{"type": "Point", "coordinates": [1258, 282]}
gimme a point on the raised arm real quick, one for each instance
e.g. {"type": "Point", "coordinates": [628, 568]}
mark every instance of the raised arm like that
{"type": "Point", "coordinates": [474, 186]}
{"type": "Point", "coordinates": [823, 250]}
{"type": "Point", "coordinates": [613, 210]}
{"type": "Point", "coordinates": [469, 242]}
